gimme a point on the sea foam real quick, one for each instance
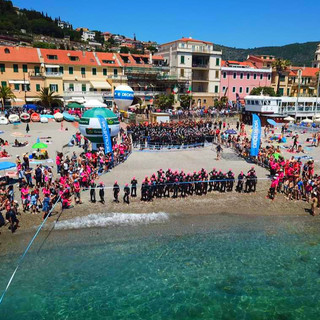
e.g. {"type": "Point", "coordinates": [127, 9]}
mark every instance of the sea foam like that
{"type": "Point", "coordinates": [112, 219]}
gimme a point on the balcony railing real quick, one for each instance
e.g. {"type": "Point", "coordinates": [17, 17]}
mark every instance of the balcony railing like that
{"type": "Point", "coordinates": [87, 94]}
{"type": "Point", "coordinates": [53, 74]}
{"type": "Point", "coordinates": [200, 65]}
{"type": "Point", "coordinates": [117, 77]}
{"type": "Point", "coordinates": [33, 74]}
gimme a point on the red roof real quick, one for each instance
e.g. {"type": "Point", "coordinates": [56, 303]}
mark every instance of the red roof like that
{"type": "Point", "coordinates": [309, 72]}
{"type": "Point", "coordinates": [103, 56]}
{"type": "Point", "coordinates": [240, 63]}
{"type": "Point", "coordinates": [188, 40]}
{"type": "Point", "coordinates": [63, 57]}
{"type": "Point", "coordinates": [19, 54]}
{"type": "Point", "coordinates": [306, 71]}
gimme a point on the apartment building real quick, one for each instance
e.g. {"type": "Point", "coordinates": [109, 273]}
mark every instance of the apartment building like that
{"type": "Point", "coordinates": [74, 75]}
{"type": "Point", "coordinates": [194, 63]}
{"type": "Point", "coordinates": [308, 78]}
{"type": "Point", "coordinates": [81, 75]}
{"type": "Point", "coordinates": [239, 78]}
{"type": "Point", "coordinates": [17, 64]}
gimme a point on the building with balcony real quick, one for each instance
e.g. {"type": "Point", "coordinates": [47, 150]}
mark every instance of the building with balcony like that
{"type": "Point", "coordinates": [148, 75]}
{"type": "Point", "coordinates": [195, 63]}
{"type": "Point", "coordinates": [308, 78]}
{"type": "Point", "coordinates": [20, 70]}
{"type": "Point", "coordinates": [316, 61]}
{"type": "Point", "coordinates": [88, 35]}
{"type": "Point", "coordinates": [239, 78]}
{"type": "Point", "coordinates": [71, 74]}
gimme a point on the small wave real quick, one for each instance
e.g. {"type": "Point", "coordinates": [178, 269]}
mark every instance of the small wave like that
{"type": "Point", "coordinates": [112, 219]}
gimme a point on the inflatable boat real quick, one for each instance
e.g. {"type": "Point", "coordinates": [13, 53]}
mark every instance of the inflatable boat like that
{"type": "Point", "coordinates": [35, 117]}
{"type": "Point", "coordinates": [3, 120]}
{"type": "Point", "coordinates": [25, 117]}
{"type": "Point", "coordinates": [58, 117]}
{"type": "Point", "coordinates": [14, 118]}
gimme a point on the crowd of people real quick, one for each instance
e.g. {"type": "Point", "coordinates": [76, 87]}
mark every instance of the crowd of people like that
{"type": "Point", "coordinates": [41, 187]}
{"type": "Point", "coordinates": [183, 133]}
{"type": "Point", "coordinates": [174, 184]}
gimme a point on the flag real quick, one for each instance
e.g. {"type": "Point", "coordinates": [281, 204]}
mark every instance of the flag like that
{"type": "Point", "coordinates": [105, 134]}
{"type": "Point", "coordinates": [189, 89]}
{"type": "Point", "coordinates": [255, 135]}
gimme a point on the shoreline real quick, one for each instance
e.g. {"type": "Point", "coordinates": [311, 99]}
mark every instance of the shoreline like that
{"type": "Point", "coordinates": [213, 204]}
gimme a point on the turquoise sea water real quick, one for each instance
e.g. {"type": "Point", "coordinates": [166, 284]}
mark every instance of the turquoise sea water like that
{"type": "Point", "coordinates": [202, 267]}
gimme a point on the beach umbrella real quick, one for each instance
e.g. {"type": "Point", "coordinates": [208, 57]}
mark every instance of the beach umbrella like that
{"type": "Point", "coordinates": [276, 155]}
{"type": "Point", "coordinates": [307, 120]}
{"type": "Point", "coordinates": [30, 106]}
{"type": "Point", "coordinates": [7, 165]}
{"type": "Point", "coordinates": [39, 145]}
{"type": "Point", "coordinates": [272, 122]}
{"type": "Point", "coordinates": [231, 131]}
{"type": "Point", "coordinates": [289, 118]}
{"type": "Point", "coordinates": [75, 105]}
{"type": "Point", "coordinates": [94, 104]}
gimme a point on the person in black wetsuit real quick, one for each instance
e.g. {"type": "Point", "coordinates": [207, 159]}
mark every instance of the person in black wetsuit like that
{"type": "Point", "coordinates": [241, 177]}
{"type": "Point", "coordinates": [116, 190]}
{"type": "Point", "coordinates": [126, 191]}
{"type": "Point", "coordinates": [134, 183]}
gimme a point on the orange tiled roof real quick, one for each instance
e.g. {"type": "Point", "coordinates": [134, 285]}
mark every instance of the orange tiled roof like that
{"type": "Point", "coordinates": [63, 57]}
{"type": "Point", "coordinates": [188, 40]}
{"type": "Point", "coordinates": [309, 72]}
{"type": "Point", "coordinates": [240, 63]}
{"type": "Point", "coordinates": [19, 54]}
{"type": "Point", "coordinates": [107, 56]}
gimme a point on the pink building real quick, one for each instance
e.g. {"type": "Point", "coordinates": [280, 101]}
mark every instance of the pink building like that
{"type": "Point", "coordinates": [241, 77]}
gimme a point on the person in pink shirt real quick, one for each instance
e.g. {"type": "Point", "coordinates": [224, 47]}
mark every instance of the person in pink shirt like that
{"type": "Point", "coordinates": [273, 187]}
{"type": "Point", "coordinates": [25, 194]}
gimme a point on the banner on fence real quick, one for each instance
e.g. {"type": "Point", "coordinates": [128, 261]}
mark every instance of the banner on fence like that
{"type": "Point", "coordinates": [255, 135]}
{"type": "Point", "coordinates": [105, 134]}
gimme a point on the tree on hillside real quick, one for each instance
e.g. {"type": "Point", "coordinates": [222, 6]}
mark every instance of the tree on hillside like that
{"type": "Point", "coordinates": [164, 101]}
{"type": "Point", "coordinates": [280, 65]}
{"type": "Point", "coordinates": [268, 91]}
{"type": "Point", "coordinates": [48, 98]}
{"type": "Point", "coordinates": [6, 94]}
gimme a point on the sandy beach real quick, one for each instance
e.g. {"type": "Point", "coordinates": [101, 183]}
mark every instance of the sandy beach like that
{"type": "Point", "coordinates": [140, 164]}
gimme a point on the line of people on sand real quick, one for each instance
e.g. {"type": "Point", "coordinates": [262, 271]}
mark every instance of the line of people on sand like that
{"type": "Point", "coordinates": [41, 187]}
{"type": "Point", "coordinates": [182, 133]}
{"type": "Point", "coordinates": [174, 184]}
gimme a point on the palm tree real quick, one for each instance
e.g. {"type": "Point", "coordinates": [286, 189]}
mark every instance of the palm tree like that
{"type": "Point", "coordinates": [48, 98]}
{"type": "Point", "coordinates": [280, 65]}
{"type": "Point", "coordinates": [6, 94]}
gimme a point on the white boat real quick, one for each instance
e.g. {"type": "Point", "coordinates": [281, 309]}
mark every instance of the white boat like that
{"type": "Point", "coordinates": [279, 108]}
{"type": "Point", "coordinates": [14, 118]}
{"type": "Point", "coordinates": [58, 117]}
{"type": "Point", "coordinates": [44, 120]}
{"type": "Point", "coordinates": [3, 120]}
{"type": "Point", "coordinates": [25, 117]}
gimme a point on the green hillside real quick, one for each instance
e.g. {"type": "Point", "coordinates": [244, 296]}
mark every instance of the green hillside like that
{"type": "Point", "coordinates": [300, 54]}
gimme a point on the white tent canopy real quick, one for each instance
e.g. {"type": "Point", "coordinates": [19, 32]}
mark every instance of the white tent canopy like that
{"type": "Point", "coordinates": [317, 120]}
{"type": "Point", "coordinates": [307, 121]}
{"type": "Point", "coordinates": [288, 118]}
{"type": "Point", "coordinates": [94, 104]}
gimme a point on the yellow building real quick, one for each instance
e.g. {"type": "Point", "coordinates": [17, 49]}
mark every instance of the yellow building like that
{"type": "Point", "coordinates": [17, 65]}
